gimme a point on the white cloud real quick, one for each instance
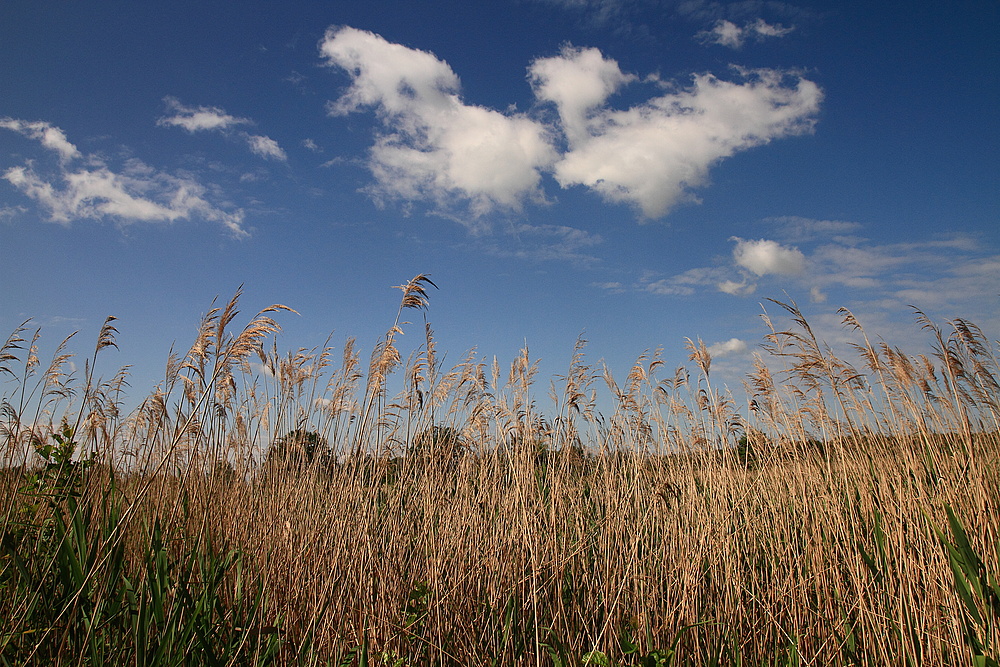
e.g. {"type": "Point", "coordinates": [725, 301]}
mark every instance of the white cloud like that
{"type": "Point", "coordinates": [137, 193]}
{"type": "Point", "coordinates": [196, 119]}
{"type": "Point", "coordinates": [724, 33]}
{"type": "Point", "coordinates": [682, 284]}
{"type": "Point", "coordinates": [311, 145]}
{"type": "Point", "coordinates": [766, 257]}
{"type": "Point", "coordinates": [735, 288]}
{"type": "Point", "coordinates": [726, 348]}
{"type": "Point", "coordinates": [436, 147]}
{"type": "Point", "coordinates": [854, 266]}
{"type": "Point", "coordinates": [727, 33]}
{"type": "Point", "coordinates": [10, 212]}
{"type": "Point", "coordinates": [266, 147]}
{"type": "Point", "coordinates": [940, 273]}
{"type": "Point", "coordinates": [653, 154]}
{"type": "Point", "coordinates": [763, 29]}
{"type": "Point", "coordinates": [50, 136]}
{"type": "Point", "coordinates": [577, 81]}
{"type": "Point", "coordinates": [948, 276]}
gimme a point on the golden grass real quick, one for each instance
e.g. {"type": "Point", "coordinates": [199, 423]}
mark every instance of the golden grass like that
{"type": "Point", "coordinates": [798, 525]}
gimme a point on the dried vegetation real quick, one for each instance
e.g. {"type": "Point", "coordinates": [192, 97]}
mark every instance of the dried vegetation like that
{"type": "Point", "coordinates": [843, 512]}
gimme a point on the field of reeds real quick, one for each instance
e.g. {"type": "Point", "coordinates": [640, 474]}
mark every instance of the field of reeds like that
{"type": "Point", "coordinates": [317, 507]}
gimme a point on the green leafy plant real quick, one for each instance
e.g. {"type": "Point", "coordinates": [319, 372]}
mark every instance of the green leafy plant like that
{"type": "Point", "coordinates": [978, 589]}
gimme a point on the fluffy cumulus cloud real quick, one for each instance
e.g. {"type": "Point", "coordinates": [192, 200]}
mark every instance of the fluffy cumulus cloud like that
{"type": "Point", "coordinates": [136, 193]}
{"type": "Point", "coordinates": [651, 155]}
{"type": "Point", "coordinates": [766, 257]}
{"type": "Point", "coordinates": [200, 119]}
{"type": "Point", "coordinates": [435, 146]}
{"type": "Point", "coordinates": [751, 260]}
{"type": "Point", "coordinates": [577, 81]}
{"type": "Point", "coordinates": [726, 348]}
{"type": "Point", "coordinates": [727, 33]}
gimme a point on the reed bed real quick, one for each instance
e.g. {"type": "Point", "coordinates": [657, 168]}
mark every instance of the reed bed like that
{"type": "Point", "coordinates": [306, 508]}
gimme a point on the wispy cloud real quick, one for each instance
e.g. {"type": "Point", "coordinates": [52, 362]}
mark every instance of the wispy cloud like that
{"type": "Point", "coordinates": [796, 229]}
{"type": "Point", "coordinates": [266, 147]}
{"type": "Point", "coordinates": [682, 284]}
{"type": "Point", "coordinates": [48, 135]}
{"type": "Point", "coordinates": [936, 273]}
{"type": "Point", "coordinates": [954, 272]}
{"type": "Point", "coordinates": [9, 212]}
{"type": "Point", "coordinates": [543, 243]}
{"type": "Point", "coordinates": [727, 33]}
{"type": "Point", "coordinates": [214, 119]}
{"type": "Point", "coordinates": [736, 287]}
{"type": "Point", "coordinates": [742, 11]}
{"type": "Point", "coordinates": [625, 18]}
{"type": "Point", "coordinates": [198, 119]}
{"type": "Point", "coordinates": [92, 190]}
{"type": "Point", "coordinates": [730, 24]}
{"type": "Point", "coordinates": [612, 286]}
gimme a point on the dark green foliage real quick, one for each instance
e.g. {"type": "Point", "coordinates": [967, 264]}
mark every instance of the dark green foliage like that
{"type": "Point", "coordinates": [439, 445]}
{"type": "Point", "coordinates": [70, 595]}
{"type": "Point", "coordinates": [979, 591]}
{"type": "Point", "coordinates": [300, 449]}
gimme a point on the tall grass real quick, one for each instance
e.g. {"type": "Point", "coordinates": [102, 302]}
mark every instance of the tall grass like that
{"type": "Point", "coordinates": [845, 511]}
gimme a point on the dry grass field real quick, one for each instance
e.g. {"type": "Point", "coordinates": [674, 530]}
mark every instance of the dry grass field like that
{"type": "Point", "coordinates": [313, 507]}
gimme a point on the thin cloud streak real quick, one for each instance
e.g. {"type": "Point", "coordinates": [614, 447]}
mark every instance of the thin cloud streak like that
{"type": "Point", "coordinates": [198, 119]}
{"type": "Point", "coordinates": [542, 243]}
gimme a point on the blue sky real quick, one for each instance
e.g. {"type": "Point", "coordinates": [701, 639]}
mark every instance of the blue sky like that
{"type": "Point", "coordinates": [635, 171]}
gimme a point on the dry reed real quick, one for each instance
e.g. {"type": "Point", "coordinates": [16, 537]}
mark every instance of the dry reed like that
{"type": "Point", "coordinates": [459, 522]}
